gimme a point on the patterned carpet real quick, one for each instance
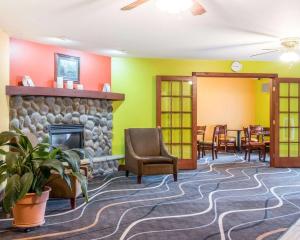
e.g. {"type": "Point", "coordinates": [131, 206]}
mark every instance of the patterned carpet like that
{"type": "Point", "coordinates": [223, 199]}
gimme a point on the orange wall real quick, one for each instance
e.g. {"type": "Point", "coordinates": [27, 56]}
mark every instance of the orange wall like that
{"type": "Point", "coordinates": [228, 101]}
{"type": "Point", "coordinates": [37, 61]}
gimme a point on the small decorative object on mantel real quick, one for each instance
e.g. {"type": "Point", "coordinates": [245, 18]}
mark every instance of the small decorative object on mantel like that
{"type": "Point", "coordinates": [106, 87]}
{"type": "Point", "coordinates": [27, 81]}
{"type": "Point", "coordinates": [67, 67]}
{"type": "Point", "coordinates": [70, 85]}
{"type": "Point", "coordinates": [60, 82]}
{"type": "Point", "coordinates": [79, 87]}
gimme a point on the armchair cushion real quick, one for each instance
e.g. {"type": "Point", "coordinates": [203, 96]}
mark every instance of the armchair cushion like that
{"type": "Point", "coordinates": [156, 160]}
{"type": "Point", "coordinates": [145, 142]}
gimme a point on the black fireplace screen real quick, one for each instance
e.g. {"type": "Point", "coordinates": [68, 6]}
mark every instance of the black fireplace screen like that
{"type": "Point", "coordinates": [66, 136]}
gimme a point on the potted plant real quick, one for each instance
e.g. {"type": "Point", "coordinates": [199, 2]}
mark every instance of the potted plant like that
{"type": "Point", "coordinates": [27, 169]}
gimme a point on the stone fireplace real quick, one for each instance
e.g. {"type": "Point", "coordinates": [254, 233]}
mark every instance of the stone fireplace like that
{"type": "Point", "coordinates": [43, 115]}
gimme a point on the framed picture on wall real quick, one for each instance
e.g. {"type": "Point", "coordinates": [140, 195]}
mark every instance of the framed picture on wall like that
{"type": "Point", "coordinates": [67, 67]}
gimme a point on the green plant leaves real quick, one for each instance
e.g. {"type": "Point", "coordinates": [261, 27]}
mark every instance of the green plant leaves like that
{"type": "Point", "coordinates": [53, 164]}
{"type": "Point", "coordinates": [83, 184]}
{"type": "Point", "coordinates": [11, 162]}
{"type": "Point", "coordinates": [25, 184]}
{"type": "Point", "coordinates": [7, 137]}
{"type": "Point", "coordinates": [12, 190]}
{"type": "Point", "coordinates": [28, 169]}
{"type": "Point", "coordinates": [72, 158]}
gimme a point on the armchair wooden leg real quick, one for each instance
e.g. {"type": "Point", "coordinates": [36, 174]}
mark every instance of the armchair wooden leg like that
{"type": "Point", "coordinates": [216, 153]}
{"type": "Point", "coordinates": [73, 203]}
{"type": "Point", "coordinates": [249, 153]}
{"type": "Point", "coordinates": [175, 177]}
{"type": "Point", "coordinates": [246, 152]}
{"type": "Point", "coordinates": [127, 173]}
{"type": "Point", "coordinates": [213, 153]}
{"type": "Point", "coordinates": [139, 179]}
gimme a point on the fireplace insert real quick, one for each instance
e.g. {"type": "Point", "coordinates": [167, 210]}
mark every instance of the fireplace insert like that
{"type": "Point", "coordinates": [67, 136]}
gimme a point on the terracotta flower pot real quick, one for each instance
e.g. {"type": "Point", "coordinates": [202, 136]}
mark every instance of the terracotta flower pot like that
{"type": "Point", "coordinates": [30, 210]}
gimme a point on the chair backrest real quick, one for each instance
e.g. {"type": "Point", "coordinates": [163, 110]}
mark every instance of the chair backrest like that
{"type": "Point", "coordinates": [220, 132]}
{"type": "Point", "coordinates": [201, 132]}
{"type": "Point", "coordinates": [246, 134]}
{"type": "Point", "coordinates": [145, 141]}
{"type": "Point", "coordinates": [256, 131]}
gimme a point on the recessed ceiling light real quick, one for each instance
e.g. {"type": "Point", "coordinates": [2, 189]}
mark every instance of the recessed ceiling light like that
{"type": "Point", "coordinates": [61, 40]}
{"type": "Point", "coordinates": [174, 6]}
{"type": "Point", "coordinates": [113, 52]}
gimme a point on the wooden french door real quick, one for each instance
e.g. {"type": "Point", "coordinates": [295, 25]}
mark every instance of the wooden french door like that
{"type": "Point", "coordinates": [286, 123]}
{"type": "Point", "coordinates": [176, 109]}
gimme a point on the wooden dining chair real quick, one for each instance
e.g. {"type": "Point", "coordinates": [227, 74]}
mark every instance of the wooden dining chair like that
{"type": "Point", "coordinates": [223, 140]}
{"type": "Point", "coordinates": [200, 139]}
{"type": "Point", "coordinates": [210, 145]}
{"type": "Point", "coordinates": [251, 146]}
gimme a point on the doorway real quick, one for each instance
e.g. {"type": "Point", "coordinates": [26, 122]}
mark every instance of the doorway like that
{"type": "Point", "coordinates": [271, 77]}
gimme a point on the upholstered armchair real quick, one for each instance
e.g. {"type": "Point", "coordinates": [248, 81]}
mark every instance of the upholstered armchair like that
{"type": "Point", "coordinates": [146, 154]}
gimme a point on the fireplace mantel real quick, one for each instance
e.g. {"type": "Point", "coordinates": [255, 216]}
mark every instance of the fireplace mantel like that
{"type": "Point", "coordinates": [62, 92]}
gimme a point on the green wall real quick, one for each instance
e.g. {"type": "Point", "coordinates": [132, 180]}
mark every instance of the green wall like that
{"type": "Point", "coordinates": [136, 78]}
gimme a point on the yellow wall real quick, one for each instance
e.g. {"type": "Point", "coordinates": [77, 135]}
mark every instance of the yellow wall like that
{"type": "Point", "coordinates": [262, 104]}
{"type": "Point", "coordinates": [228, 101]}
{"type": "Point", "coordinates": [4, 80]}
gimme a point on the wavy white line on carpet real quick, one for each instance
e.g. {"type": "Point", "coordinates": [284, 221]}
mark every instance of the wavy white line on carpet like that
{"type": "Point", "coordinates": [84, 205]}
{"type": "Point", "coordinates": [215, 211]}
{"type": "Point", "coordinates": [268, 219]}
{"type": "Point", "coordinates": [272, 190]}
{"type": "Point", "coordinates": [169, 203]}
{"type": "Point", "coordinates": [102, 209]}
{"type": "Point", "coordinates": [211, 169]}
{"type": "Point", "coordinates": [127, 230]}
{"type": "Point", "coordinates": [91, 202]}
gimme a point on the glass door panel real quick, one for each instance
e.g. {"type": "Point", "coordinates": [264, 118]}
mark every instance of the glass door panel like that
{"type": "Point", "coordinates": [176, 115]}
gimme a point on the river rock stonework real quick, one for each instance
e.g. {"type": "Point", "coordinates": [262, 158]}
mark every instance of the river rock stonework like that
{"type": "Point", "coordinates": [34, 114]}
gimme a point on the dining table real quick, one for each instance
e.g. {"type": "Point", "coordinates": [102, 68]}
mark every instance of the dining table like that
{"type": "Point", "coordinates": [238, 138]}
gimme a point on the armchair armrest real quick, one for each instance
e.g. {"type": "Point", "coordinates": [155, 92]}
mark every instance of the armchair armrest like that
{"type": "Point", "coordinates": [131, 158]}
{"type": "Point", "coordinates": [165, 153]}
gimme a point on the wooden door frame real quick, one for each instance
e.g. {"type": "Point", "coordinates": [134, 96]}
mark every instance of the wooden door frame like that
{"type": "Point", "coordinates": [273, 77]}
{"type": "Point", "coordinates": [184, 164]}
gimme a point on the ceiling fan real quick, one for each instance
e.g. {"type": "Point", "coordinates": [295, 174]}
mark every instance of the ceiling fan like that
{"type": "Point", "coordinates": [288, 48]}
{"type": "Point", "coordinates": [193, 5]}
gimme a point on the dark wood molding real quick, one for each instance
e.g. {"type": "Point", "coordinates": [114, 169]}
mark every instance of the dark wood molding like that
{"type": "Point", "coordinates": [61, 92]}
{"type": "Point", "coordinates": [235, 75]}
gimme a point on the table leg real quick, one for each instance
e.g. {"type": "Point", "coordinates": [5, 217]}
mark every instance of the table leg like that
{"type": "Point", "coordinates": [239, 143]}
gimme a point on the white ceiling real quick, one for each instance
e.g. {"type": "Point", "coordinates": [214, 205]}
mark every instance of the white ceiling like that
{"type": "Point", "coordinates": [231, 29]}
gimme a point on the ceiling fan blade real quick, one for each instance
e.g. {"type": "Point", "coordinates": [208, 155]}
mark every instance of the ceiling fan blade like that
{"type": "Point", "coordinates": [134, 5]}
{"type": "Point", "coordinates": [258, 54]}
{"type": "Point", "coordinates": [197, 9]}
{"type": "Point", "coordinates": [270, 49]}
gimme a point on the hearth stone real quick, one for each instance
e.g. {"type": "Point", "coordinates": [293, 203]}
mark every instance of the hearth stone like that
{"type": "Point", "coordinates": [106, 164]}
{"type": "Point", "coordinates": [35, 114]}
